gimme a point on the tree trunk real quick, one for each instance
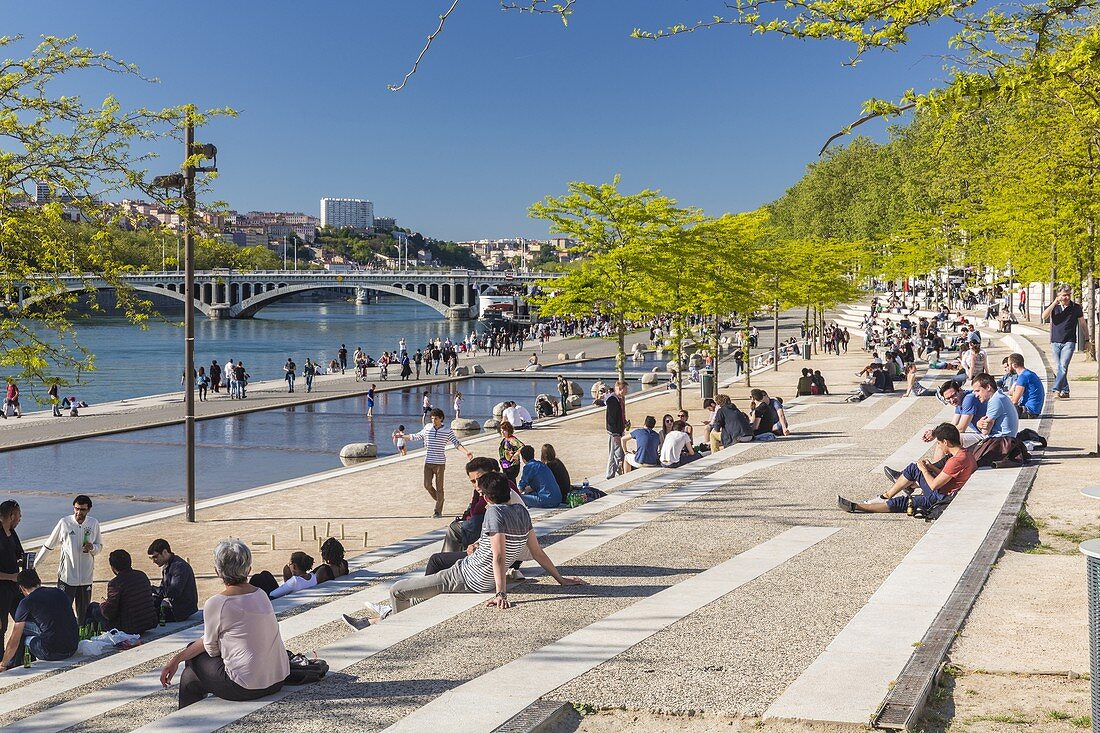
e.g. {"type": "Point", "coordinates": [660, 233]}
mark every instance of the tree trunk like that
{"type": "Point", "coordinates": [680, 362]}
{"type": "Point", "coordinates": [717, 330]}
{"type": "Point", "coordinates": [620, 354]}
{"type": "Point", "coordinates": [775, 335]}
{"type": "Point", "coordinates": [746, 352]}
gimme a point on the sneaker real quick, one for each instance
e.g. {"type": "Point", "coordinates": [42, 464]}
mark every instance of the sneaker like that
{"type": "Point", "coordinates": [845, 504]}
{"type": "Point", "coordinates": [880, 499]}
{"type": "Point", "coordinates": [891, 474]}
{"type": "Point", "coordinates": [515, 576]}
{"type": "Point", "coordinates": [437, 515]}
{"type": "Point", "coordinates": [382, 609]}
{"type": "Point", "coordinates": [356, 623]}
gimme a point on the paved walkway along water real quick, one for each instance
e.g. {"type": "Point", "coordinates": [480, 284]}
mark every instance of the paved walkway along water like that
{"type": "Point", "coordinates": [667, 567]}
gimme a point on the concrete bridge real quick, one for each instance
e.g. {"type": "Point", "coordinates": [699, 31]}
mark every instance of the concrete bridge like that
{"type": "Point", "coordinates": [222, 294]}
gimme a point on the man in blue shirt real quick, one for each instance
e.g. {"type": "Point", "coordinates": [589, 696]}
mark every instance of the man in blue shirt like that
{"type": "Point", "coordinates": [647, 443]}
{"type": "Point", "coordinates": [1001, 420]}
{"type": "Point", "coordinates": [537, 484]}
{"type": "Point", "coordinates": [44, 624]}
{"type": "Point", "coordinates": [1027, 390]}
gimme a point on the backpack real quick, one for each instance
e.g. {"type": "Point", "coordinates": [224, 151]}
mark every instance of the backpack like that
{"type": "Point", "coordinates": [304, 671]}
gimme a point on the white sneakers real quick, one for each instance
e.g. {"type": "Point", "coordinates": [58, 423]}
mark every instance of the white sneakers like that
{"type": "Point", "coordinates": [382, 609]}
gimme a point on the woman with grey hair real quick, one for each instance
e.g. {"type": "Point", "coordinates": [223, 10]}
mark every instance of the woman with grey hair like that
{"type": "Point", "coordinates": [241, 654]}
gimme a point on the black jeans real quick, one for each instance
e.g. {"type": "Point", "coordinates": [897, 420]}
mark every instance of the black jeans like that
{"type": "Point", "coordinates": [80, 595]}
{"type": "Point", "coordinates": [265, 581]}
{"type": "Point", "coordinates": [206, 675]}
{"type": "Point", "coordinates": [440, 561]}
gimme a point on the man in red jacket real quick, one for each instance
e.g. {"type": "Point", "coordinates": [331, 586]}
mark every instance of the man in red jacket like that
{"type": "Point", "coordinates": [129, 603]}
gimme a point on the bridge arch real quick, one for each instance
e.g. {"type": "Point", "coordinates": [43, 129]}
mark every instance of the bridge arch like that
{"type": "Point", "coordinates": [169, 292]}
{"type": "Point", "coordinates": [250, 306]}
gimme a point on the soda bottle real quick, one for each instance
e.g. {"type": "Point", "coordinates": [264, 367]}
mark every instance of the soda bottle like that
{"type": "Point", "coordinates": [87, 538]}
{"type": "Point", "coordinates": [26, 658]}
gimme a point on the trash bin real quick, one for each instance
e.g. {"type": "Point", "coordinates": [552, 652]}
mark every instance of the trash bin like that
{"type": "Point", "coordinates": [1091, 550]}
{"type": "Point", "coordinates": [807, 347]}
{"type": "Point", "coordinates": [706, 384]}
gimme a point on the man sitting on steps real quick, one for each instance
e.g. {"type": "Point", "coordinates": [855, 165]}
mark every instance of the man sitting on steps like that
{"type": "Point", "coordinates": [937, 485]}
{"type": "Point", "coordinates": [506, 532]}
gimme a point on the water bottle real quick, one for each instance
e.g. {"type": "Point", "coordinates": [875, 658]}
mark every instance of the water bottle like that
{"type": "Point", "coordinates": [87, 539]}
{"type": "Point", "coordinates": [26, 658]}
{"type": "Point", "coordinates": [162, 618]}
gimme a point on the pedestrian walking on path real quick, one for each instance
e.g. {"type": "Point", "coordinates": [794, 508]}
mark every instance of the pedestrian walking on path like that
{"type": "Point", "coordinates": [1064, 316]}
{"type": "Point", "coordinates": [436, 437]}
{"type": "Point", "coordinates": [308, 371]}
{"type": "Point", "coordinates": [289, 373]}
{"type": "Point", "coordinates": [79, 540]}
{"type": "Point", "coordinates": [343, 354]}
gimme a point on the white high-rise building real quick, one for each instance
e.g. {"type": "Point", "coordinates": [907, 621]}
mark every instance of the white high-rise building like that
{"type": "Point", "coordinates": [353, 213]}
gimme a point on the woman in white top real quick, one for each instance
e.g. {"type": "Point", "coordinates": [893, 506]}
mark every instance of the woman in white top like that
{"type": "Point", "coordinates": [241, 654]}
{"type": "Point", "coordinates": [974, 361]}
{"type": "Point", "coordinates": [296, 576]}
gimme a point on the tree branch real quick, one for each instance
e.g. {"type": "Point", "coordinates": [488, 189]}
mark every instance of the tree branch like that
{"type": "Point", "coordinates": [424, 51]}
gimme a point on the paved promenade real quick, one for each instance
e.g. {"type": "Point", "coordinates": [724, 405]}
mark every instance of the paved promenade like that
{"type": "Point", "coordinates": [715, 590]}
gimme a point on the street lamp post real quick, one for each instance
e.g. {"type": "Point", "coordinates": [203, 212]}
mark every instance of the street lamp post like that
{"type": "Point", "coordinates": [186, 182]}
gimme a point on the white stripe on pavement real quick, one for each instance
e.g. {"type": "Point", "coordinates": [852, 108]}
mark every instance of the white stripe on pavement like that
{"type": "Point", "coordinates": [490, 700]}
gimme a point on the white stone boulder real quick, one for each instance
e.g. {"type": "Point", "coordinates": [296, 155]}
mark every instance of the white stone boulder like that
{"type": "Point", "coordinates": [672, 367]}
{"type": "Point", "coordinates": [575, 389]}
{"type": "Point", "coordinates": [477, 369]}
{"type": "Point", "coordinates": [498, 410]}
{"type": "Point", "coordinates": [580, 355]}
{"type": "Point", "coordinates": [598, 387]}
{"type": "Point", "coordinates": [492, 423]}
{"type": "Point", "coordinates": [574, 400]}
{"type": "Point", "coordinates": [464, 425]}
{"type": "Point", "coordinates": [563, 356]}
{"type": "Point", "coordinates": [533, 368]}
{"type": "Point", "coordinates": [462, 371]}
{"type": "Point", "coordinates": [649, 379]}
{"type": "Point", "coordinates": [358, 451]}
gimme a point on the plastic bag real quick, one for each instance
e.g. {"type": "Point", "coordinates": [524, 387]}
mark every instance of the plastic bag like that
{"type": "Point", "coordinates": [94, 647]}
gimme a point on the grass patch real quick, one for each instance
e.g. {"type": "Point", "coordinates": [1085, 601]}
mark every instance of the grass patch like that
{"type": "Point", "coordinates": [1040, 549]}
{"type": "Point", "coordinates": [1081, 721]}
{"type": "Point", "coordinates": [1091, 378]}
{"type": "Point", "coordinates": [1007, 718]}
{"type": "Point", "coordinates": [1074, 536]}
{"type": "Point", "coordinates": [1025, 520]}
{"type": "Point", "coordinates": [1058, 715]}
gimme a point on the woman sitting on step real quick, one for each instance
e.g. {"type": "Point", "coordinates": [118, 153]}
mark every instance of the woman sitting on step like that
{"type": "Point", "coordinates": [241, 654]}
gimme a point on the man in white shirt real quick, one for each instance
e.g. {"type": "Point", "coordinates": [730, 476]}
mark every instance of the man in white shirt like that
{"type": "Point", "coordinates": [677, 450]}
{"type": "Point", "coordinates": [517, 415]}
{"type": "Point", "coordinates": [79, 540]}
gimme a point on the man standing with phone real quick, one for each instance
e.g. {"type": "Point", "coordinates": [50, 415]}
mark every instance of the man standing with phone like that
{"type": "Point", "coordinates": [1064, 316]}
{"type": "Point", "coordinates": [79, 540]}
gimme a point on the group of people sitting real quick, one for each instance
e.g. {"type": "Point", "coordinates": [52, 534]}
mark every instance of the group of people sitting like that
{"type": "Point", "coordinates": [542, 482]}
{"type": "Point", "coordinates": [984, 432]}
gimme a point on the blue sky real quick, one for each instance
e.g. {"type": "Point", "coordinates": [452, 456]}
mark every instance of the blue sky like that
{"type": "Point", "coordinates": [506, 108]}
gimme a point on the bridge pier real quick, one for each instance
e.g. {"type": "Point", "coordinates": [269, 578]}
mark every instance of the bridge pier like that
{"type": "Point", "coordinates": [458, 313]}
{"type": "Point", "coordinates": [219, 312]}
{"type": "Point", "coordinates": [362, 296]}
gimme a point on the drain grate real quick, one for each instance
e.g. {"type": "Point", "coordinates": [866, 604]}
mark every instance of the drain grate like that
{"type": "Point", "coordinates": [537, 716]}
{"type": "Point", "coordinates": [905, 702]}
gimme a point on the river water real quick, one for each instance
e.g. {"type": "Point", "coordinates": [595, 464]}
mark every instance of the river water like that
{"type": "Point", "coordinates": [142, 470]}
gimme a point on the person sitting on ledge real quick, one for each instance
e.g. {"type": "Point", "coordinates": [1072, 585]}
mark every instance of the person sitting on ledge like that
{"type": "Point", "coordinates": [805, 384]}
{"type": "Point", "coordinates": [44, 624]}
{"type": "Point", "coordinates": [333, 565]}
{"type": "Point", "coordinates": [128, 606]}
{"type": "Point", "coordinates": [549, 456]}
{"type": "Point", "coordinates": [647, 445]}
{"type": "Point", "coordinates": [241, 655]}
{"type": "Point", "coordinates": [937, 485]}
{"type": "Point", "coordinates": [537, 484]}
{"type": "Point", "coordinates": [296, 577]}
{"type": "Point", "coordinates": [819, 382]}
{"type": "Point", "coordinates": [177, 593]}
{"type": "Point", "coordinates": [677, 450]}
{"type": "Point", "coordinates": [505, 534]}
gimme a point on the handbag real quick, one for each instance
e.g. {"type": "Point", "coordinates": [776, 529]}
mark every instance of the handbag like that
{"type": "Point", "coordinates": [303, 670]}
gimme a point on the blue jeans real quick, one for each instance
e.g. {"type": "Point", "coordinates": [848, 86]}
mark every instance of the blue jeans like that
{"type": "Point", "coordinates": [31, 640]}
{"type": "Point", "coordinates": [925, 500]}
{"type": "Point", "coordinates": [543, 499]}
{"type": "Point", "coordinates": [1062, 353]}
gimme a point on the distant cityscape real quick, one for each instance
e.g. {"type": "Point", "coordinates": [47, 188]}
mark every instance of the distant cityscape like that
{"type": "Point", "coordinates": [354, 216]}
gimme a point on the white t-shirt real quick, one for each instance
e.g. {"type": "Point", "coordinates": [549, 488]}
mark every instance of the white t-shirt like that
{"type": "Point", "coordinates": [676, 441]}
{"type": "Point", "coordinates": [295, 583]}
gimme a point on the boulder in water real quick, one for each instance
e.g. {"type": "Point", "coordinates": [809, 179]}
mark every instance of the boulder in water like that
{"type": "Point", "coordinates": [574, 400]}
{"type": "Point", "coordinates": [649, 379]}
{"type": "Point", "coordinates": [492, 423]}
{"type": "Point", "coordinates": [563, 356]}
{"type": "Point", "coordinates": [533, 368]}
{"type": "Point", "coordinates": [575, 389]}
{"type": "Point", "coordinates": [498, 410]}
{"type": "Point", "coordinates": [462, 371]}
{"type": "Point", "coordinates": [464, 425]}
{"type": "Point", "coordinates": [580, 355]}
{"type": "Point", "coordinates": [358, 452]}
{"type": "Point", "coordinates": [477, 369]}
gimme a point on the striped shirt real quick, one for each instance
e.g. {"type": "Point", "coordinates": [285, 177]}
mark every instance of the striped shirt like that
{"type": "Point", "coordinates": [435, 442]}
{"type": "Point", "coordinates": [511, 520]}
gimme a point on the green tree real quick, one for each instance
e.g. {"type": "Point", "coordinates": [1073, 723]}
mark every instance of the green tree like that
{"type": "Point", "coordinates": [81, 153]}
{"type": "Point", "coordinates": [619, 234]}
